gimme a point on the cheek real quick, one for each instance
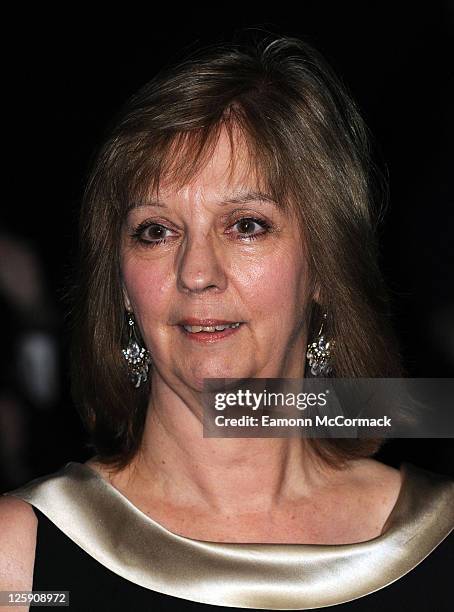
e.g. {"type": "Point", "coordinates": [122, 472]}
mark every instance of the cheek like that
{"type": "Point", "coordinates": [275, 286]}
{"type": "Point", "coordinates": [147, 286]}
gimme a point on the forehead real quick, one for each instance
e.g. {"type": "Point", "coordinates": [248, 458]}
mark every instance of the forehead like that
{"type": "Point", "coordinates": [227, 165]}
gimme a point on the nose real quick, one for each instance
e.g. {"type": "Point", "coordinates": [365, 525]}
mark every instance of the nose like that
{"type": "Point", "coordinates": [201, 266]}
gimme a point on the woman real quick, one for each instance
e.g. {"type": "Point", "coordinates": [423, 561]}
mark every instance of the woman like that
{"type": "Point", "coordinates": [228, 232]}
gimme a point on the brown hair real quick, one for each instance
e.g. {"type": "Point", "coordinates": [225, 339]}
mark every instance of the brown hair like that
{"type": "Point", "coordinates": [310, 147]}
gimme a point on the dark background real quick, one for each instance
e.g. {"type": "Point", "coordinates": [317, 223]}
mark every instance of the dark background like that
{"type": "Point", "coordinates": [64, 78]}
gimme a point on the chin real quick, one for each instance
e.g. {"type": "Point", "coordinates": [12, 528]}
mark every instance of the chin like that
{"type": "Point", "coordinates": [200, 372]}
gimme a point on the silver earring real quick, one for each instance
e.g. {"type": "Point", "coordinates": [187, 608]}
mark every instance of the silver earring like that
{"type": "Point", "coordinates": [137, 357]}
{"type": "Point", "coordinates": [319, 353]}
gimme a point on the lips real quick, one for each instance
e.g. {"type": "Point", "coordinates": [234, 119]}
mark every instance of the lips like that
{"type": "Point", "coordinates": [207, 322]}
{"type": "Point", "coordinates": [208, 330]}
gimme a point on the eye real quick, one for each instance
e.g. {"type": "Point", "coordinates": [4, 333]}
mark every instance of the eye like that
{"type": "Point", "coordinates": [249, 228]}
{"type": "Point", "coordinates": [151, 234]}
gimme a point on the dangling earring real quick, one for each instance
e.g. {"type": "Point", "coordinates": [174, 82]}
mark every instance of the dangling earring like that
{"type": "Point", "coordinates": [319, 353]}
{"type": "Point", "coordinates": [137, 357]}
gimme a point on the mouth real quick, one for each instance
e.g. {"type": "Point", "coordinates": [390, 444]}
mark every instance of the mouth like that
{"type": "Point", "coordinates": [208, 330]}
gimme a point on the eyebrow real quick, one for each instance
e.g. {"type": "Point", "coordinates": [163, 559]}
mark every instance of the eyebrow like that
{"type": "Point", "coordinates": [241, 197]}
{"type": "Point", "coordinates": [244, 197]}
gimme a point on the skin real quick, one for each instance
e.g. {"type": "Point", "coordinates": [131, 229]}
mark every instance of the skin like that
{"type": "Point", "coordinates": [222, 490]}
{"type": "Point", "coordinates": [208, 268]}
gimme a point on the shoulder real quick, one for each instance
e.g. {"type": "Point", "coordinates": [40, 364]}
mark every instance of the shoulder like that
{"type": "Point", "coordinates": [375, 482]}
{"type": "Point", "coordinates": [18, 527]}
{"type": "Point", "coordinates": [386, 484]}
{"type": "Point", "coordinates": [376, 479]}
{"type": "Point", "coordinates": [376, 496]}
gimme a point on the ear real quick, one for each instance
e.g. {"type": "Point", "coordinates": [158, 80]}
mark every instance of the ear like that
{"type": "Point", "coordinates": [126, 299]}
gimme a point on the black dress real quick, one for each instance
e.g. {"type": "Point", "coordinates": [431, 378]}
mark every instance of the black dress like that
{"type": "Point", "coordinates": [94, 543]}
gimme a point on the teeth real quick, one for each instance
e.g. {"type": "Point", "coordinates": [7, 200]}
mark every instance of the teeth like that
{"type": "Point", "coordinates": [194, 329]}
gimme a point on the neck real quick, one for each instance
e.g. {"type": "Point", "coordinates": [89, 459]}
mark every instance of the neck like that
{"type": "Point", "coordinates": [226, 475]}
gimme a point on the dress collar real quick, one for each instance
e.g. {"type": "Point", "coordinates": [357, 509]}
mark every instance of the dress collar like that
{"type": "Point", "coordinates": [106, 525]}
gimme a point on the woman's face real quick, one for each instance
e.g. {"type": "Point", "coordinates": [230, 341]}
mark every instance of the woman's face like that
{"type": "Point", "coordinates": [217, 251]}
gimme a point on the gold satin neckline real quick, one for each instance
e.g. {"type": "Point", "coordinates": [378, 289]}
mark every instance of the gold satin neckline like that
{"type": "Point", "coordinates": [105, 524]}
